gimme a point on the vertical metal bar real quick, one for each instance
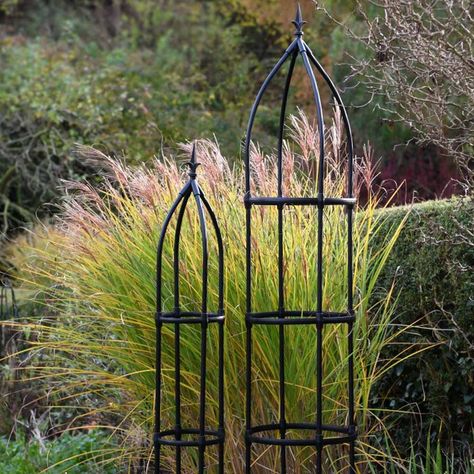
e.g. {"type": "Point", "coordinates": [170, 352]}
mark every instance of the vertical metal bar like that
{"type": "Point", "coordinates": [177, 394]}
{"type": "Point", "coordinates": [350, 305]}
{"type": "Point", "coordinates": [220, 310]}
{"type": "Point", "coordinates": [204, 324]}
{"type": "Point", "coordinates": [319, 283]}
{"type": "Point", "coordinates": [350, 346]}
{"type": "Point", "coordinates": [281, 281]}
{"type": "Point", "coordinates": [158, 398]}
{"type": "Point", "coordinates": [248, 341]}
{"type": "Point", "coordinates": [159, 324]}
{"type": "Point", "coordinates": [248, 139]}
{"type": "Point", "coordinates": [177, 332]}
{"type": "Point", "coordinates": [202, 396]}
{"type": "Point", "coordinates": [281, 338]}
{"type": "Point", "coordinates": [221, 396]}
{"type": "Point", "coordinates": [350, 269]}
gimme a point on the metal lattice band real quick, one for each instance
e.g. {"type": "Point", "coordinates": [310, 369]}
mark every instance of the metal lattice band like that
{"type": "Point", "coordinates": [318, 434]}
{"type": "Point", "coordinates": [198, 437]}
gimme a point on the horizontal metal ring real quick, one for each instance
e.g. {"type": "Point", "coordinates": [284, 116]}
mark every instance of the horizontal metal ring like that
{"type": "Point", "coordinates": [299, 317]}
{"type": "Point", "coordinates": [169, 437]}
{"type": "Point", "coordinates": [188, 317]}
{"type": "Point", "coordinates": [299, 201]}
{"type": "Point", "coordinates": [348, 434]}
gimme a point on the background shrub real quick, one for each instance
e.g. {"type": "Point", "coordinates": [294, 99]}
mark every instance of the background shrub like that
{"type": "Point", "coordinates": [137, 79]}
{"type": "Point", "coordinates": [84, 452]}
{"type": "Point", "coordinates": [432, 264]}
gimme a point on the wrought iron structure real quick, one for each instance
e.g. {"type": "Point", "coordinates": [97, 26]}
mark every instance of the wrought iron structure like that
{"type": "Point", "coordinates": [318, 434]}
{"type": "Point", "coordinates": [8, 308]}
{"type": "Point", "coordinates": [181, 437]}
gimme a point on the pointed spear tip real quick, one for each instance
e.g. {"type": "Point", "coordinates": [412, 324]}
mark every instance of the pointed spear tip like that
{"type": "Point", "coordinates": [299, 16]}
{"type": "Point", "coordinates": [298, 21]}
{"type": "Point", "coordinates": [192, 163]}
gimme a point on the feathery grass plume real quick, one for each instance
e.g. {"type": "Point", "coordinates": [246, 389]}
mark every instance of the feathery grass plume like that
{"type": "Point", "coordinates": [100, 287]}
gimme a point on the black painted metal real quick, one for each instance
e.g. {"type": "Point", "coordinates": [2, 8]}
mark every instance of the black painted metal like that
{"type": "Point", "coordinates": [281, 316]}
{"type": "Point", "coordinates": [199, 437]}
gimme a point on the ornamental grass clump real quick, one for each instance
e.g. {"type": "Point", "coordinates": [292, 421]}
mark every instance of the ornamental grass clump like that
{"type": "Point", "coordinates": [98, 327]}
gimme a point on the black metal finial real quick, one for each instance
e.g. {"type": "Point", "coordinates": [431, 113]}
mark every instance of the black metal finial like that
{"type": "Point", "coordinates": [192, 163]}
{"type": "Point", "coordinates": [298, 21]}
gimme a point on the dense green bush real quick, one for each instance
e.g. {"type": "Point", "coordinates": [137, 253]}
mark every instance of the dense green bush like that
{"type": "Point", "coordinates": [46, 106]}
{"type": "Point", "coordinates": [74, 454]}
{"type": "Point", "coordinates": [161, 74]}
{"type": "Point", "coordinates": [433, 267]}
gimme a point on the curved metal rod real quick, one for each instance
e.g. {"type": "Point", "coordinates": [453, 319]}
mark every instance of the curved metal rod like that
{"type": "Point", "coordinates": [159, 255]}
{"type": "Point", "coordinates": [248, 139]}
{"type": "Point", "coordinates": [205, 252]}
{"type": "Point", "coordinates": [319, 112]}
{"type": "Point", "coordinates": [281, 279]}
{"type": "Point", "coordinates": [253, 111]}
{"type": "Point", "coordinates": [177, 330]}
{"type": "Point", "coordinates": [177, 239]}
{"type": "Point", "coordinates": [205, 257]}
{"type": "Point", "coordinates": [282, 120]}
{"type": "Point", "coordinates": [159, 307]}
{"type": "Point", "coordinates": [220, 310]}
{"type": "Point", "coordinates": [345, 116]}
{"type": "Point", "coordinates": [319, 283]}
{"type": "Point", "coordinates": [350, 296]}
{"type": "Point", "coordinates": [305, 52]}
{"type": "Point", "coordinates": [220, 248]}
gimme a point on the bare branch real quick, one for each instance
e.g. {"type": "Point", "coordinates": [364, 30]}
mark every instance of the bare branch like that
{"type": "Point", "coordinates": [420, 63]}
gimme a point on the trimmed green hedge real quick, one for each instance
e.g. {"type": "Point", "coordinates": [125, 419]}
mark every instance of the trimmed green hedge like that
{"type": "Point", "coordinates": [432, 265]}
